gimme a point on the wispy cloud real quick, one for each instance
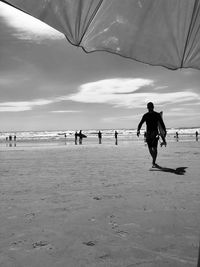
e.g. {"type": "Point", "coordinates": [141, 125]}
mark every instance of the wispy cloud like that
{"type": "Point", "coordinates": [117, 92]}
{"type": "Point", "coordinates": [126, 93]}
{"type": "Point", "coordinates": [123, 93]}
{"type": "Point", "coordinates": [161, 87]}
{"type": "Point", "coordinates": [179, 109]}
{"type": "Point", "coordinates": [17, 106]}
{"type": "Point", "coordinates": [194, 103]}
{"type": "Point", "coordinates": [5, 81]}
{"type": "Point", "coordinates": [121, 118]}
{"type": "Point", "coordinates": [65, 111]}
{"type": "Point", "coordinates": [10, 79]}
{"type": "Point", "coordinates": [190, 114]}
{"type": "Point", "coordinates": [27, 27]}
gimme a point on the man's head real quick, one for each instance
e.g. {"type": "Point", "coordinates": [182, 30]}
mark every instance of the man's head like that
{"type": "Point", "coordinates": [150, 106]}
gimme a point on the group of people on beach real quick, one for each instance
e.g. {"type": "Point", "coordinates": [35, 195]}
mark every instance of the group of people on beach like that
{"type": "Point", "coordinates": [154, 123]}
{"type": "Point", "coordinates": [155, 130]}
{"type": "Point", "coordinates": [176, 136]}
{"type": "Point", "coordinates": [115, 136]}
{"type": "Point", "coordinates": [11, 138]}
{"type": "Point", "coordinates": [79, 137]}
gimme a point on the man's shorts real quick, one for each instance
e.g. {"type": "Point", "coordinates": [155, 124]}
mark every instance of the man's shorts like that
{"type": "Point", "coordinates": [152, 139]}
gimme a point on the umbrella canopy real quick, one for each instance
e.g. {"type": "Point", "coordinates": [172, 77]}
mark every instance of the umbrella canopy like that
{"type": "Point", "coordinates": [158, 32]}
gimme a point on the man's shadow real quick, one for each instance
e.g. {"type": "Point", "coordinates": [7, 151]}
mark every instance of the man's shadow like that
{"type": "Point", "coordinates": [178, 171]}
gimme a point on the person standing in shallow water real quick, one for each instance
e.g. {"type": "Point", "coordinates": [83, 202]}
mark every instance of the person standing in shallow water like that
{"type": "Point", "coordinates": [152, 118]}
{"type": "Point", "coordinates": [100, 136]}
{"type": "Point", "coordinates": [176, 136]}
{"type": "Point", "coordinates": [80, 137]}
{"type": "Point", "coordinates": [76, 137]}
{"type": "Point", "coordinates": [116, 140]}
{"type": "Point", "coordinates": [196, 134]}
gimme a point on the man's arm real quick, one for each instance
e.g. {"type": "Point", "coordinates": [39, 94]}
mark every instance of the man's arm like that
{"type": "Point", "coordinates": [140, 125]}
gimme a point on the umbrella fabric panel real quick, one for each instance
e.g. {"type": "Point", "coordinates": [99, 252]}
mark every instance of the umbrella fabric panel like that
{"type": "Point", "coordinates": [70, 17]}
{"type": "Point", "coordinates": [157, 32]}
{"type": "Point", "coordinates": [192, 51]}
{"type": "Point", "coordinates": [154, 32]}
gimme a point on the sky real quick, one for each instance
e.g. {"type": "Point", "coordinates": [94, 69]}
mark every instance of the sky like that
{"type": "Point", "coordinates": [48, 84]}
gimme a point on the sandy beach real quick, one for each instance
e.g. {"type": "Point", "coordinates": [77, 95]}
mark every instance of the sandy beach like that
{"type": "Point", "coordinates": [99, 205]}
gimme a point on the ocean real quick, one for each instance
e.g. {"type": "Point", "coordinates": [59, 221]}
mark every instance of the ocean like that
{"type": "Point", "coordinates": [185, 134]}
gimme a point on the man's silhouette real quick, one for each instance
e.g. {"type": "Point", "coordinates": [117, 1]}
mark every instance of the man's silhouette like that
{"type": "Point", "coordinates": [152, 119]}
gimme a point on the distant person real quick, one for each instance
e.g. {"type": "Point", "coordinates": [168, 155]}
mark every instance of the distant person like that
{"type": "Point", "coordinates": [65, 136]}
{"type": "Point", "coordinates": [197, 135]}
{"type": "Point", "coordinates": [15, 138]}
{"type": "Point", "coordinates": [116, 140]}
{"type": "Point", "coordinates": [100, 136]}
{"type": "Point", "coordinates": [152, 120]}
{"type": "Point", "coordinates": [177, 136]}
{"type": "Point", "coordinates": [76, 137]}
{"type": "Point", "coordinates": [10, 137]}
{"type": "Point", "coordinates": [80, 137]}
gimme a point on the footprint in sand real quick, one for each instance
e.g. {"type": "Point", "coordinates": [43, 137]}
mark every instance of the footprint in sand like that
{"type": "Point", "coordinates": [17, 245]}
{"type": "Point", "coordinates": [42, 244]}
{"type": "Point", "coordinates": [105, 257]}
{"type": "Point", "coordinates": [122, 233]}
{"type": "Point", "coordinates": [30, 216]}
{"type": "Point", "coordinates": [97, 198]}
{"type": "Point", "coordinates": [90, 243]}
{"type": "Point", "coordinates": [116, 227]}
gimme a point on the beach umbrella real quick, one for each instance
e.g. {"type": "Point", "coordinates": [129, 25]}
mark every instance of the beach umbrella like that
{"type": "Point", "coordinates": [157, 32]}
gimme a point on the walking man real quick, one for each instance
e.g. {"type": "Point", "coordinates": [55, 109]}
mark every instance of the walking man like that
{"type": "Point", "coordinates": [152, 119]}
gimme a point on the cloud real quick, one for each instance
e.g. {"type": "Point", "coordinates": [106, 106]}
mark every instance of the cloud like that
{"type": "Point", "coordinates": [178, 109]}
{"type": "Point", "coordinates": [5, 81]}
{"type": "Point", "coordinates": [193, 103]}
{"type": "Point", "coordinates": [190, 114]}
{"type": "Point", "coordinates": [161, 87]}
{"type": "Point", "coordinates": [11, 79]}
{"type": "Point", "coordinates": [121, 118]}
{"type": "Point", "coordinates": [188, 72]}
{"type": "Point", "coordinates": [27, 27]}
{"type": "Point", "coordinates": [126, 93]}
{"type": "Point", "coordinates": [18, 106]}
{"type": "Point", "coordinates": [117, 92]}
{"type": "Point", "coordinates": [66, 111]}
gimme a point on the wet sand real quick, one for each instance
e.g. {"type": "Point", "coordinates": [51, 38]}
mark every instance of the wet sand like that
{"type": "Point", "coordinates": [99, 205]}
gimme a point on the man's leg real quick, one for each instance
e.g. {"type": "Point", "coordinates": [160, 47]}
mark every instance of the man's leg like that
{"type": "Point", "coordinates": [153, 152]}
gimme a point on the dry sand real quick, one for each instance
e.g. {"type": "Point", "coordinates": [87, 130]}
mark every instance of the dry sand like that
{"type": "Point", "coordinates": [99, 205]}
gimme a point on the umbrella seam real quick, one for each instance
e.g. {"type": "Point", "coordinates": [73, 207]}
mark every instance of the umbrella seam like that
{"type": "Point", "coordinates": [90, 21]}
{"type": "Point", "coordinates": [192, 42]}
{"type": "Point", "coordinates": [188, 35]}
